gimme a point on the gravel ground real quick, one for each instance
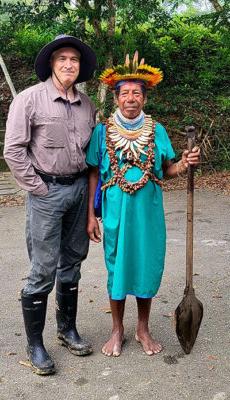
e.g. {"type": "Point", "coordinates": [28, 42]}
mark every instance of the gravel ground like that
{"type": "Point", "coordinates": [202, 375]}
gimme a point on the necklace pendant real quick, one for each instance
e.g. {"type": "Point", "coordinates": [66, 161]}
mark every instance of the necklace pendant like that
{"type": "Point", "coordinates": [129, 156]}
{"type": "Point", "coordinates": [138, 153]}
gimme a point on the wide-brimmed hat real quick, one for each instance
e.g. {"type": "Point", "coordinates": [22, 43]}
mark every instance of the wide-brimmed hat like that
{"type": "Point", "coordinates": [87, 63]}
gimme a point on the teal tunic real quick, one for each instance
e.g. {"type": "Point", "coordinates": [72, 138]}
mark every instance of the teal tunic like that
{"type": "Point", "coordinates": [134, 224]}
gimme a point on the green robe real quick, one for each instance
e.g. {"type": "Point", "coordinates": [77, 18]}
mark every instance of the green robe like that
{"type": "Point", "coordinates": [134, 224]}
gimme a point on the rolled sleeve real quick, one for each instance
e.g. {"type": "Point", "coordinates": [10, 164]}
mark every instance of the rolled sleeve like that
{"type": "Point", "coordinates": [17, 139]}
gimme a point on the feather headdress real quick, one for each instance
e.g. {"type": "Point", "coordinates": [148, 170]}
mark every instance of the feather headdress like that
{"type": "Point", "coordinates": [130, 71]}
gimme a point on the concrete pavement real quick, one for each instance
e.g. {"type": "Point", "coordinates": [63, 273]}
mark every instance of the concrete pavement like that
{"type": "Point", "coordinates": [204, 374]}
{"type": "Point", "coordinates": [8, 185]}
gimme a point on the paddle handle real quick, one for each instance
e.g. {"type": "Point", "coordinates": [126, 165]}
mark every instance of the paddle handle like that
{"type": "Point", "coordinates": [190, 131]}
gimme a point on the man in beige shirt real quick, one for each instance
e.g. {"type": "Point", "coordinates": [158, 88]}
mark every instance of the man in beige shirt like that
{"type": "Point", "coordinates": [48, 128]}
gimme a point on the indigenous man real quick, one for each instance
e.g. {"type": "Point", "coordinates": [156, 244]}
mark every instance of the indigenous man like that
{"type": "Point", "coordinates": [48, 128]}
{"type": "Point", "coordinates": [135, 154]}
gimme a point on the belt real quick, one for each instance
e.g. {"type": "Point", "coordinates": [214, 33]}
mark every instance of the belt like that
{"type": "Point", "coordinates": [61, 179]}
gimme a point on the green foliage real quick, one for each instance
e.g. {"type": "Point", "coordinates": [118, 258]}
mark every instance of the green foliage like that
{"type": "Point", "coordinates": [216, 20]}
{"type": "Point", "coordinates": [193, 52]}
{"type": "Point", "coordinates": [28, 41]}
{"type": "Point", "coordinates": [223, 102]}
{"type": "Point", "coordinates": [35, 12]}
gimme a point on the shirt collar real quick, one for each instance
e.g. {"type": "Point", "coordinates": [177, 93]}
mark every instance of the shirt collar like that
{"type": "Point", "coordinates": [55, 95]}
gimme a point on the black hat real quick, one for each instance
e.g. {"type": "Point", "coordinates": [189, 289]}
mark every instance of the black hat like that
{"type": "Point", "coordinates": [87, 63]}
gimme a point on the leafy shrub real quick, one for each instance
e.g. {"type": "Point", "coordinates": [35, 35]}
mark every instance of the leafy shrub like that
{"type": "Point", "coordinates": [223, 102]}
{"type": "Point", "coordinates": [28, 41]}
{"type": "Point", "coordinates": [194, 58]}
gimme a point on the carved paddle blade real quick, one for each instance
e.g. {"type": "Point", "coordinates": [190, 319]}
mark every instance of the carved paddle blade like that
{"type": "Point", "coordinates": [188, 316]}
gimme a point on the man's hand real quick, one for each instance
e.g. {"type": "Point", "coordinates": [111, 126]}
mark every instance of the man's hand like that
{"type": "Point", "coordinates": [192, 158]}
{"type": "Point", "coordinates": [93, 229]}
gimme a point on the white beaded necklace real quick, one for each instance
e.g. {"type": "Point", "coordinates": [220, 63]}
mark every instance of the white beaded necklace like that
{"type": "Point", "coordinates": [131, 142]}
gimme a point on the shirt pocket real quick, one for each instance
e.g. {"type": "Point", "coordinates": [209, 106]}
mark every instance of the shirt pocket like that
{"type": "Point", "coordinates": [51, 131]}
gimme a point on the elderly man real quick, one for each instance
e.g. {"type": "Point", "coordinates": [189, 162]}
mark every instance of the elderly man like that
{"type": "Point", "coordinates": [48, 128]}
{"type": "Point", "coordinates": [134, 153]}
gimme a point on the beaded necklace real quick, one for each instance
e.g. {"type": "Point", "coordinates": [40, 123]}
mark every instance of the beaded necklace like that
{"type": "Point", "coordinates": [127, 123]}
{"type": "Point", "coordinates": [131, 144]}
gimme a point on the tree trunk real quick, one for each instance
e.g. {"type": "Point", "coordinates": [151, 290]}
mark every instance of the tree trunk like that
{"type": "Point", "coordinates": [102, 89]}
{"type": "Point", "coordinates": [217, 6]}
{"type": "Point", "coordinates": [96, 18]}
{"type": "Point", "coordinates": [112, 20]}
{"type": "Point", "coordinates": [97, 27]}
{"type": "Point", "coordinates": [7, 76]}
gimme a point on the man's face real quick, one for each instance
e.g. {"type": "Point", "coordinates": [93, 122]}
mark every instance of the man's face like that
{"type": "Point", "coordinates": [65, 64]}
{"type": "Point", "coordinates": [130, 100]}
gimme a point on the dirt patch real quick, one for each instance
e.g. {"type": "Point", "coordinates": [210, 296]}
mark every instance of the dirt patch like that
{"type": "Point", "coordinates": [218, 182]}
{"type": "Point", "coordinates": [12, 200]}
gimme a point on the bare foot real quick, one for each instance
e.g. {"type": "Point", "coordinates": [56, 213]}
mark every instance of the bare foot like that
{"type": "Point", "coordinates": [114, 344]}
{"type": "Point", "coordinates": [150, 346]}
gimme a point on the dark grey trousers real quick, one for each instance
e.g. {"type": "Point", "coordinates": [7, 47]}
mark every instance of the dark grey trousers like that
{"type": "Point", "coordinates": [56, 235]}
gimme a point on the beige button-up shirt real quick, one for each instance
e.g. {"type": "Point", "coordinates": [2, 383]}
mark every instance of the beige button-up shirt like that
{"type": "Point", "coordinates": [48, 133]}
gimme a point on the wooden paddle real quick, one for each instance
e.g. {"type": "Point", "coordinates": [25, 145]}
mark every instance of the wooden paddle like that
{"type": "Point", "coordinates": [189, 312]}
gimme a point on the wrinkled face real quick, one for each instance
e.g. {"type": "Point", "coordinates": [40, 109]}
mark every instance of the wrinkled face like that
{"type": "Point", "coordinates": [130, 99]}
{"type": "Point", "coordinates": [65, 63]}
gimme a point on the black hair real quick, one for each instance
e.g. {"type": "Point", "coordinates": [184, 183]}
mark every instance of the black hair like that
{"type": "Point", "coordinates": [142, 83]}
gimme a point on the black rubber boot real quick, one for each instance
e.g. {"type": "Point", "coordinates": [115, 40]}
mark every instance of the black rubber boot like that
{"type": "Point", "coordinates": [34, 314]}
{"type": "Point", "coordinates": [66, 312]}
